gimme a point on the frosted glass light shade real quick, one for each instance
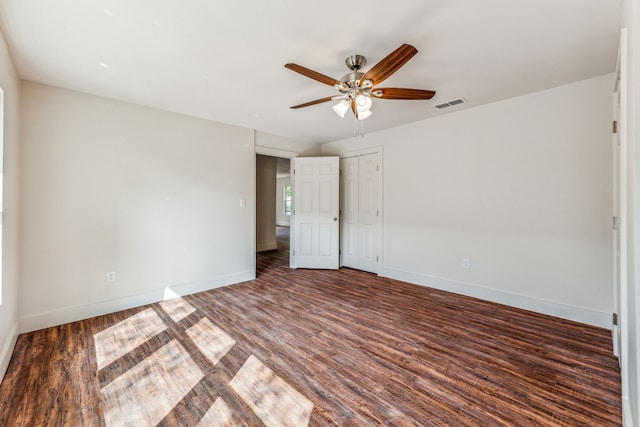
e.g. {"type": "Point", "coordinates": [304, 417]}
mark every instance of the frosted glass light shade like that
{"type": "Point", "coordinates": [363, 114]}
{"type": "Point", "coordinates": [363, 103]}
{"type": "Point", "coordinates": [341, 108]}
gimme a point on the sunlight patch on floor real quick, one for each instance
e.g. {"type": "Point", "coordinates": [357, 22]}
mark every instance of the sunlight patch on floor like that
{"type": "Point", "coordinates": [119, 339]}
{"type": "Point", "coordinates": [146, 393]}
{"type": "Point", "coordinates": [177, 308]}
{"type": "Point", "coordinates": [274, 401]}
{"type": "Point", "coordinates": [212, 341]}
{"type": "Point", "coordinates": [218, 415]}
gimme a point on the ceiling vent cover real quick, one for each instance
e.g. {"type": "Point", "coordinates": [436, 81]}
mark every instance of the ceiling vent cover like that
{"type": "Point", "coordinates": [450, 103]}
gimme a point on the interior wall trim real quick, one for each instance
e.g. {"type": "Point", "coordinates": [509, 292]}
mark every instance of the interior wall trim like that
{"type": "Point", "coordinates": [627, 418]}
{"type": "Point", "coordinates": [275, 152]}
{"type": "Point", "coordinates": [551, 308]}
{"type": "Point", "coordinates": [266, 246]}
{"type": "Point", "coordinates": [64, 315]}
{"type": "Point", "coordinates": [7, 349]}
{"type": "Point", "coordinates": [379, 149]}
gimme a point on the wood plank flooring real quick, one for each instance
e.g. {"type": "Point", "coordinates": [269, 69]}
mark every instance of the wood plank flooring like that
{"type": "Point", "coordinates": [303, 347]}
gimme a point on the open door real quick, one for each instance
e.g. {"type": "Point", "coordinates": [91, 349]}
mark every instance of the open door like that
{"type": "Point", "coordinates": [315, 183]}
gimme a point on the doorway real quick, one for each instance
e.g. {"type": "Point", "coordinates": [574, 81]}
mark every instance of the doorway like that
{"type": "Point", "coordinates": [265, 203]}
{"type": "Point", "coordinates": [272, 173]}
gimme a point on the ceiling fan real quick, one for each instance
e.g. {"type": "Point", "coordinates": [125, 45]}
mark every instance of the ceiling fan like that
{"type": "Point", "coordinates": [357, 88]}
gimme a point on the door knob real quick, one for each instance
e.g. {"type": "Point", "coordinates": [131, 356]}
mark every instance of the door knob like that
{"type": "Point", "coordinates": [335, 218]}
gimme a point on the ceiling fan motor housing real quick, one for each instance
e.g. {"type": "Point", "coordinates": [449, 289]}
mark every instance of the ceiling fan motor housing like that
{"type": "Point", "coordinates": [355, 62]}
{"type": "Point", "coordinates": [351, 78]}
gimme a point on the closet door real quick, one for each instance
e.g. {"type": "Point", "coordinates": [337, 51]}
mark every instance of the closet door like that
{"type": "Point", "coordinates": [368, 212]}
{"type": "Point", "coordinates": [349, 246]}
{"type": "Point", "coordinates": [360, 202]}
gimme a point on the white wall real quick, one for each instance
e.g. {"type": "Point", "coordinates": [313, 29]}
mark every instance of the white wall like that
{"type": "Point", "coordinates": [281, 218]}
{"type": "Point", "coordinates": [521, 187]}
{"type": "Point", "coordinates": [10, 85]}
{"type": "Point", "coordinates": [265, 203]}
{"type": "Point", "coordinates": [109, 186]}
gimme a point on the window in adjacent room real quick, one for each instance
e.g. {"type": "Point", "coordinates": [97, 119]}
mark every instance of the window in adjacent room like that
{"type": "Point", "coordinates": [286, 198]}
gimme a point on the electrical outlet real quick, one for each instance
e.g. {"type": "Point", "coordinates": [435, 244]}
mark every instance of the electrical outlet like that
{"type": "Point", "coordinates": [465, 263]}
{"type": "Point", "coordinates": [111, 276]}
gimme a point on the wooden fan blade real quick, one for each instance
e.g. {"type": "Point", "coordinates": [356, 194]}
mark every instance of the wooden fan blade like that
{"type": "Point", "coordinates": [402, 93]}
{"type": "Point", "coordinates": [390, 64]}
{"type": "Point", "coordinates": [312, 74]}
{"type": "Point", "coordinates": [317, 101]}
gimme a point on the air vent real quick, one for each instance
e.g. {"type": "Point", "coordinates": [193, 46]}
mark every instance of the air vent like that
{"type": "Point", "coordinates": [450, 103]}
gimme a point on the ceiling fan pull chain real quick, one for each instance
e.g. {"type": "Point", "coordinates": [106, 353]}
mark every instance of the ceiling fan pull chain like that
{"type": "Point", "coordinates": [355, 123]}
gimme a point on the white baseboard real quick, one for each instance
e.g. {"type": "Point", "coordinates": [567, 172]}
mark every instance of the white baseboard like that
{"type": "Point", "coordinates": [7, 350]}
{"type": "Point", "coordinates": [266, 247]}
{"type": "Point", "coordinates": [85, 311]}
{"type": "Point", "coordinates": [564, 311]}
{"type": "Point", "coordinates": [627, 419]}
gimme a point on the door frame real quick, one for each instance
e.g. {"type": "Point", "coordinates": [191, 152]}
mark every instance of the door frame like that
{"type": "Point", "coordinates": [620, 187]}
{"type": "Point", "coordinates": [616, 220]}
{"type": "Point", "coordinates": [379, 238]}
{"type": "Point", "coordinates": [274, 152]}
{"type": "Point", "coordinates": [265, 151]}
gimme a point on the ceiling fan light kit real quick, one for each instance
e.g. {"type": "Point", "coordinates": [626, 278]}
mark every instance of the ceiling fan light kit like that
{"type": "Point", "coordinates": [357, 88]}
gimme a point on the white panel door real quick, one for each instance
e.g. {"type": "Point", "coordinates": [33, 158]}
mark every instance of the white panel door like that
{"type": "Point", "coordinates": [315, 231]}
{"type": "Point", "coordinates": [349, 212]}
{"type": "Point", "coordinates": [361, 200]}
{"type": "Point", "coordinates": [369, 211]}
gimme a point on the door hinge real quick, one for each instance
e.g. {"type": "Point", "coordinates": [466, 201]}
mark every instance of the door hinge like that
{"type": "Point", "coordinates": [294, 171]}
{"type": "Point", "coordinates": [377, 212]}
{"type": "Point", "coordinates": [339, 251]}
{"type": "Point", "coordinates": [376, 258]}
{"type": "Point", "coordinates": [614, 126]}
{"type": "Point", "coordinates": [377, 168]}
{"type": "Point", "coordinates": [615, 319]}
{"type": "Point", "coordinates": [614, 222]}
{"type": "Point", "coordinates": [294, 252]}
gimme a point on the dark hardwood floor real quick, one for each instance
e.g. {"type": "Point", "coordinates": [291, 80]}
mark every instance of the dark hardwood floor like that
{"type": "Point", "coordinates": [319, 347]}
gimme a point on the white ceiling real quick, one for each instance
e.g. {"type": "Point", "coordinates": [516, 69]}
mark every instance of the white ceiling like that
{"type": "Point", "coordinates": [224, 60]}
